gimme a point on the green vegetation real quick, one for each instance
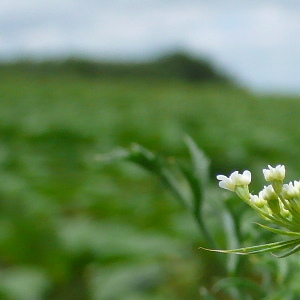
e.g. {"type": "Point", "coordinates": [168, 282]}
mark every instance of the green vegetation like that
{"type": "Point", "coordinates": [75, 228]}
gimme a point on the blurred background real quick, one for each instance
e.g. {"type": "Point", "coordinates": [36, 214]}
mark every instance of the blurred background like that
{"type": "Point", "coordinates": [80, 78]}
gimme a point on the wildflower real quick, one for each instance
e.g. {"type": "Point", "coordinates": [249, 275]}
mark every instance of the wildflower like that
{"type": "Point", "coordinates": [297, 185]}
{"type": "Point", "coordinates": [235, 179]}
{"type": "Point", "coordinates": [277, 173]}
{"type": "Point", "coordinates": [291, 191]}
{"type": "Point", "coordinates": [268, 193]}
{"type": "Point", "coordinates": [275, 176]}
{"type": "Point", "coordinates": [259, 201]}
{"type": "Point", "coordinates": [237, 183]}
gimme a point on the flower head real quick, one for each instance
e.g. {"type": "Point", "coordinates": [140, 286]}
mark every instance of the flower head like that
{"type": "Point", "coordinates": [291, 190]}
{"type": "Point", "coordinates": [272, 174]}
{"type": "Point", "coordinates": [234, 180]}
{"type": "Point", "coordinates": [277, 203]}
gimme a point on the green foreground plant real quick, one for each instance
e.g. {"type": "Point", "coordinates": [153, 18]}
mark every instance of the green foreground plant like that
{"type": "Point", "coordinates": [277, 203]}
{"type": "Point", "coordinates": [189, 184]}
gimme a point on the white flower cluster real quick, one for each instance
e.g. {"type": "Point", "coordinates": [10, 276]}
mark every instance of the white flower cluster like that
{"type": "Point", "coordinates": [277, 201]}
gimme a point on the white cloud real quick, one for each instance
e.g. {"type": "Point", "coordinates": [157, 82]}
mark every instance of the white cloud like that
{"type": "Point", "coordinates": [258, 40]}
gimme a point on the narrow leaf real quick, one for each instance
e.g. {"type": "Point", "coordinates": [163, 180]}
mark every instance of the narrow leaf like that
{"type": "Point", "coordinates": [279, 231]}
{"type": "Point", "coordinates": [169, 174]}
{"type": "Point", "coordinates": [260, 248]}
{"type": "Point", "coordinates": [198, 179]}
{"type": "Point", "coordinates": [230, 229]}
{"type": "Point", "coordinates": [292, 251]}
{"type": "Point", "coordinates": [199, 160]}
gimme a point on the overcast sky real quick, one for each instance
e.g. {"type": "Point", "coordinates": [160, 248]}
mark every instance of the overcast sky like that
{"type": "Point", "coordinates": [257, 41]}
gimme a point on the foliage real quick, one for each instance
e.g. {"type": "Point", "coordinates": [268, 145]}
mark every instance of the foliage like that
{"type": "Point", "coordinates": [73, 228]}
{"type": "Point", "coordinates": [189, 185]}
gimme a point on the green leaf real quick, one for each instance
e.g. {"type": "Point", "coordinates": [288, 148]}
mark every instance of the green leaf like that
{"type": "Point", "coordinates": [231, 231]}
{"type": "Point", "coordinates": [279, 231]}
{"type": "Point", "coordinates": [260, 248]}
{"type": "Point", "coordinates": [292, 251]}
{"type": "Point", "coordinates": [200, 162]}
{"type": "Point", "coordinates": [198, 179]}
{"type": "Point", "coordinates": [167, 171]}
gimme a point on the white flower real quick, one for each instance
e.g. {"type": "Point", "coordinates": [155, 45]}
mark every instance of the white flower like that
{"type": "Point", "coordinates": [259, 201]}
{"type": "Point", "coordinates": [268, 193]}
{"type": "Point", "coordinates": [235, 179]}
{"type": "Point", "coordinates": [277, 173]}
{"type": "Point", "coordinates": [291, 191]}
{"type": "Point", "coordinates": [297, 185]}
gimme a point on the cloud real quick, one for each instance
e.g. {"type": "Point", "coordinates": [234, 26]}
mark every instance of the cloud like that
{"type": "Point", "coordinates": [258, 41]}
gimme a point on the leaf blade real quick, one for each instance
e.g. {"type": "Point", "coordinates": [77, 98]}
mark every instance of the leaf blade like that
{"type": "Point", "coordinates": [280, 231]}
{"type": "Point", "coordinates": [259, 248]}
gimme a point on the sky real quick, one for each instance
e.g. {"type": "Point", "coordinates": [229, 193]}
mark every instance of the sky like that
{"type": "Point", "coordinates": [255, 41]}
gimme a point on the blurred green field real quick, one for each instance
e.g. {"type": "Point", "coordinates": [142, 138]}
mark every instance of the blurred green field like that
{"type": "Point", "coordinates": [74, 228]}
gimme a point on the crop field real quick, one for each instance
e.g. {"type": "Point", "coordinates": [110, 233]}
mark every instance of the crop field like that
{"type": "Point", "coordinates": [73, 226]}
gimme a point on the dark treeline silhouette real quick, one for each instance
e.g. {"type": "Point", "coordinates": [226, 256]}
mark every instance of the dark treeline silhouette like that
{"type": "Point", "coordinates": [174, 66]}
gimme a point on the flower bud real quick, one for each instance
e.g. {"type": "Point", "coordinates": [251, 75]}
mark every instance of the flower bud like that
{"type": "Point", "coordinates": [271, 197]}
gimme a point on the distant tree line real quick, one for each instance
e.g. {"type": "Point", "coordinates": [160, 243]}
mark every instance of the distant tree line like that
{"type": "Point", "coordinates": [174, 66]}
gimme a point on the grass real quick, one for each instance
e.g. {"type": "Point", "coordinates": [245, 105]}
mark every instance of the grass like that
{"type": "Point", "coordinates": [75, 229]}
